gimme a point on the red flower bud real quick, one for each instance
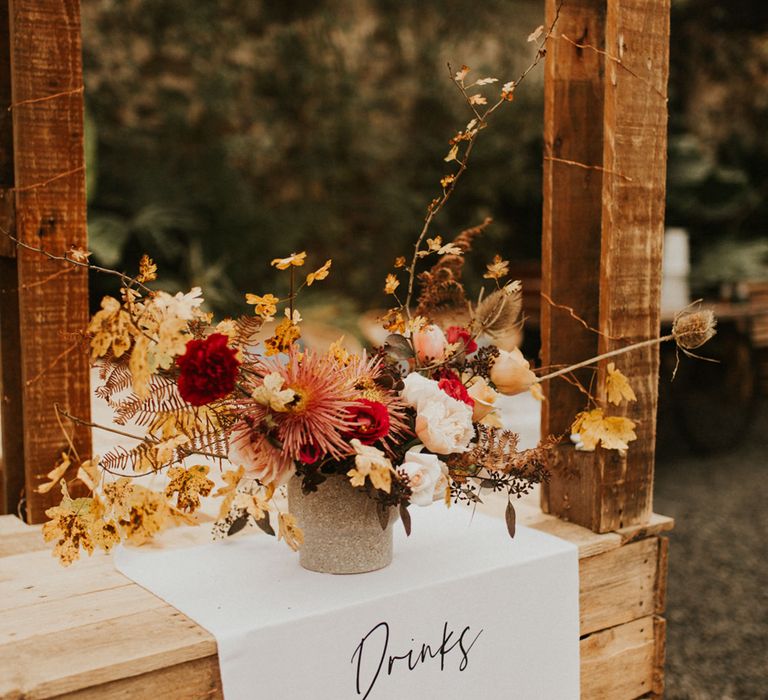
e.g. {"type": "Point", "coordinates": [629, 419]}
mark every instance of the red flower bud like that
{"type": "Point", "coordinates": [457, 334]}
{"type": "Point", "coordinates": [449, 382]}
{"type": "Point", "coordinates": [309, 453]}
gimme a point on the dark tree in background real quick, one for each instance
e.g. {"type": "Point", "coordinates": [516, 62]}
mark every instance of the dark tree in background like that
{"type": "Point", "coordinates": [718, 178]}
{"type": "Point", "coordinates": [227, 133]}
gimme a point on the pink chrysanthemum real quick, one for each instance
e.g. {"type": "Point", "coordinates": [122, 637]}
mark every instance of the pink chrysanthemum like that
{"type": "Point", "coordinates": [317, 416]}
{"type": "Point", "coordinates": [251, 449]}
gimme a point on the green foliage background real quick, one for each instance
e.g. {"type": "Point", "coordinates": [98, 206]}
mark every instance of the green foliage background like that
{"type": "Point", "coordinates": [224, 133]}
{"type": "Point", "coordinates": [230, 133]}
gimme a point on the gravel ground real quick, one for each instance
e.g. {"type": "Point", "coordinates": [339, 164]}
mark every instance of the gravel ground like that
{"type": "Point", "coordinates": [717, 605]}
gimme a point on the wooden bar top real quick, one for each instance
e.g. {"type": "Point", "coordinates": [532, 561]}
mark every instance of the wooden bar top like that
{"type": "Point", "coordinates": [88, 632]}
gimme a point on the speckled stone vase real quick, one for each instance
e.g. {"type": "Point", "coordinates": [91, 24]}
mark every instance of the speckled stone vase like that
{"type": "Point", "coordinates": [342, 531]}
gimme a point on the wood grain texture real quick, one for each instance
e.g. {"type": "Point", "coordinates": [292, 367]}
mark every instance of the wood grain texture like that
{"type": "Point", "coordinates": [660, 652]}
{"type": "Point", "coordinates": [635, 146]}
{"type": "Point", "coordinates": [607, 491]}
{"type": "Point", "coordinates": [573, 114]}
{"type": "Point", "coordinates": [192, 680]}
{"type": "Point", "coordinates": [7, 200]}
{"type": "Point", "coordinates": [49, 186]}
{"type": "Point", "coordinates": [12, 477]}
{"type": "Point", "coordinates": [11, 451]}
{"type": "Point", "coordinates": [618, 586]}
{"type": "Point", "coordinates": [618, 663]}
{"type": "Point", "coordinates": [662, 566]}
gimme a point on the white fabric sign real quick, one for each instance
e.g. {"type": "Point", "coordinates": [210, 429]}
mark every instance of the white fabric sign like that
{"type": "Point", "coordinates": [463, 612]}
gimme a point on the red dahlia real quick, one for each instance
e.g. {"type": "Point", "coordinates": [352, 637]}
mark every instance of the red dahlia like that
{"type": "Point", "coordinates": [457, 334]}
{"type": "Point", "coordinates": [208, 370]}
{"type": "Point", "coordinates": [369, 421]}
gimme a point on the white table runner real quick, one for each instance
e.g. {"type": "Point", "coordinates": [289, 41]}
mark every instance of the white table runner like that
{"type": "Point", "coordinates": [462, 612]}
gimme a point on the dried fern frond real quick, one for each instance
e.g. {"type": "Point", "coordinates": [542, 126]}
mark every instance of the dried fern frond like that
{"type": "Point", "coordinates": [248, 328]}
{"type": "Point", "coordinates": [441, 287]}
{"type": "Point", "coordinates": [498, 315]}
{"type": "Point", "coordinates": [123, 459]}
{"type": "Point", "coordinates": [493, 450]}
{"type": "Point", "coordinates": [163, 397]}
{"type": "Point", "coordinates": [115, 375]}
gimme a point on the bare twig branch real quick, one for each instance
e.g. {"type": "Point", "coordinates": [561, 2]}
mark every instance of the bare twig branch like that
{"type": "Point", "coordinates": [126, 279]}
{"type": "Point", "coordinates": [586, 166]}
{"type": "Point", "coordinates": [437, 204]}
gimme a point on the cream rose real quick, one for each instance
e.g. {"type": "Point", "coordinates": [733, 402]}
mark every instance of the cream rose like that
{"type": "Point", "coordinates": [483, 396]}
{"type": "Point", "coordinates": [418, 389]}
{"type": "Point", "coordinates": [445, 425]}
{"type": "Point", "coordinates": [511, 373]}
{"type": "Point", "coordinates": [424, 474]}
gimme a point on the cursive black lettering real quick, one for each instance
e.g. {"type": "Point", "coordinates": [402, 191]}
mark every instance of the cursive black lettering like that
{"type": "Point", "coordinates": [450, 641]}
{"type": "Point", "coordinates": [359, 654]}
{"type": "Point", "coordinates": [465, 650]}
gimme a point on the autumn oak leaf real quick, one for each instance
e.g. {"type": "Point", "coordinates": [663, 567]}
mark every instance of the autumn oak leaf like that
{"type": "Point", "coordinates": [617, 386]}
{"type": "Point", "coordinates": [188, 485]}
{"type": "Point", "coordinates": [594, 428]}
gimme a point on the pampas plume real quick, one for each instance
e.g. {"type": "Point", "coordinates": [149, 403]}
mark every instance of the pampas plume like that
{"type": "Point", "coordinates": [498, 315]}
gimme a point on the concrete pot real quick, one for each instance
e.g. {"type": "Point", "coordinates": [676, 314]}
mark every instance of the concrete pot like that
{"type": "Point", "coordinates": [342, 530]}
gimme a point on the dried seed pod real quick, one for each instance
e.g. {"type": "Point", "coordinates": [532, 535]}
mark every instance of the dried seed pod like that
{"type": "Point", "coordinates": [691, 329]}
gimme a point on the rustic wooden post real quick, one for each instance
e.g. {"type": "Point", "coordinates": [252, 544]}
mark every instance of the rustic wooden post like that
{"type": "Point", "coordinates": [43, 303]}
{"type": "Point", "coordinates": [604, 183]}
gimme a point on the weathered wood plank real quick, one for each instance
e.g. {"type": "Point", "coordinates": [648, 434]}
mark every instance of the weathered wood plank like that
{"type": "Point", "coordinates": [618, 663]}
{"type": "Point", "coordinates": [662, 567]}
{"type": "Point", "coordinates": [48, 665]}
{"type": "Point", "coordinates": [618, 586]}
{"type": "Point", "coordinates": [49, 187]}
{"type": "Point", "coordinates": [573, 116]}
{"type": "Point", "coordinates": [630, 41]}
{"type": "Point", "coordinates": [26, 579]}
{"type": "Point", "coordinates": [192, 680]}
{"type": "Point", "coordinates": [57, 616]}
{"type": "Point", "coordinates": [635, 160]}
{"type": "Point", "coordinates": [7, 248]}
{"type": "Point", "coordinates": [660, 651]}
{"type": "Point", "coordinates": [12, 452]}
{"type": "Point", "coordinates": [21, 542]}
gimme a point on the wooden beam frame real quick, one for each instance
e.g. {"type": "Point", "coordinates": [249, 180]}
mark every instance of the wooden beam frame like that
{"type": "Point", "coordinates": [604, 184]}
{"type": "Point", "coordinates": [43, 306]}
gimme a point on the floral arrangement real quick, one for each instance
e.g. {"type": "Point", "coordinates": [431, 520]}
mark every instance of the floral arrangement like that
{"type": "Point", "coordinates": [412, 422]}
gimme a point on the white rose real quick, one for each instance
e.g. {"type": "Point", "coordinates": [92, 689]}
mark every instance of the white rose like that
{"type": "Point", "coordinates": [418, 389]}
{"type": "Point", "coordinates": [444, 425]}
{"type": "Point", "coordinates": [424, 473]}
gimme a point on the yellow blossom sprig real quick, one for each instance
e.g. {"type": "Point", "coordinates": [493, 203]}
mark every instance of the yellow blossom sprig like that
{"type": "Point", "coordinates": [293, 260]}
{"type": "Point", "coordinates": [497, 269]}
{"type": "Point", "coordinates": [287, 332]}
{"type": "Point", "coordinates": [469, 137]}
{"type": "Point", "coordinates": [319, 274]}
{"type": "Point", "coordinates": [266, 305]}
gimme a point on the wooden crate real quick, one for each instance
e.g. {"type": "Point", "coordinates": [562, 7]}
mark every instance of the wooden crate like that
{"type": "Point", "coordinates": [89, 632]}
